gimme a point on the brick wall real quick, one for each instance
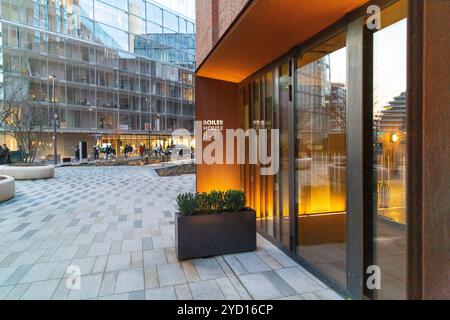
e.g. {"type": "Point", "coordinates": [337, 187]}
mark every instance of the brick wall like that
{"type": "Point", "coordinates": [228, 11]}
{"type": "Point", "coordinates": [204, 29]}
{"type": "Point", "coordinates": [213, 19]}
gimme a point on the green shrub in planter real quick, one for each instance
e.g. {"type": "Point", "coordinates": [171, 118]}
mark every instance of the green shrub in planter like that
{"type": "Point", "coordinates": [210, 203]}
{"type": "Point", "coordinates": [234, 200]}
{"type": "Point", "coordinates": [202, 205]}
{"type": "Point", "coordinates": [187, 204]}
{"type": "Point", "coordinates": [215, 201]}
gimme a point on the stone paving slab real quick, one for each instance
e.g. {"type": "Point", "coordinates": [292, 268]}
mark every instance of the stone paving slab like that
{"type": "Point", "coordinates": [116, 225]}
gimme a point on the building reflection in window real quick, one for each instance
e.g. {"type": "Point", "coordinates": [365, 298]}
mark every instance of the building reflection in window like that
{"type": "Point", "coordinates": [390, 137]}
{"type": "Point", "coordinates": [320, 160]}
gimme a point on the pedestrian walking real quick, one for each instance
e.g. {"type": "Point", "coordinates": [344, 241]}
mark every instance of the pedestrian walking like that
{"type": "Point", "coordinates": [106, 152]}
{"type": "Point", "coordinates": [77, 153]}
{"type": "Point", "coordinates": [2, 156]}
{"type": "Point", "coordinates": [125, 150]}
{"type": "Point", "coordinates": [95, 150]}
{"type": "Point", "coordinates": [21, 153]}
{"type": "Point", "coordinates": [7, 154]}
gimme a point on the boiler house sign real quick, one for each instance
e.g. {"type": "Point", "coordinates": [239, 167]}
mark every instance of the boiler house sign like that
{"type": "Point", "coordinates": [212, 129]}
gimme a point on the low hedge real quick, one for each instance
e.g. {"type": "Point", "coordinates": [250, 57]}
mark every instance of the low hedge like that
{"type": "Point", "coordinates": [190, 204]}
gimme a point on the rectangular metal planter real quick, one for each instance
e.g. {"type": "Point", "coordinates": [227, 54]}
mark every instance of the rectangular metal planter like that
{"type": "Point", "coordinates": [217, 234]}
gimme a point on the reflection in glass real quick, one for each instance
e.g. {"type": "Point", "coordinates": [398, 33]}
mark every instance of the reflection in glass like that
{"type": "Point", "coordinates": [111, 16]}
{"type": "Point", "coordinates": [285, 105]}
{"type": "Point", "coordinates": [111, 36]}
{"type": "Point", "coordinates": [137, 7]}
{"type": "Point", "coordinates": [268, 203]}
{"type": "Point", "coordinates": [154, 13]}
{"type": "Point", "coordinates": [320, 160]}
{"type": "Point", "coordinates": [390, 137]}
{"type": "Point", "coordinates": [95, 21]}
{"type": "Point", "coordinates": [170, 20]}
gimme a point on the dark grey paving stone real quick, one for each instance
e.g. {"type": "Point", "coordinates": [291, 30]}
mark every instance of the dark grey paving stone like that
{"type": "Point", "coordinates": [99, 237]}
{"type": "Point", "coordinates": [147, 244]}
{"type": "Point", "coordinates": [279, 283]}
{"type": "Point", "coordinates": [137, 210]}
{"type": "Point", "coordinates": [94, 214]}
{"type": "Point", "coordinates": [82, 251]}
{"type": "Point", "coordinates": [137, 295]}
{"type": "Point", "coordinates": [73, 223]}
{"type": "Point", "coordinates": [137, 224]}
{"type": "Point", "coordinates": [167, 214]}
{"type": "Point", "coordinates": [25, 214]}
{"type": "Point", "coordinates": [85, 229]}
{"type": "Point", "coordinates": [28, 234]}
{"type": "Point", "coordinates": [48, 218]}
{"type": "Point", "coordinates": [21, 227]}
{"type": "Point", "coordinates": [9, 259]}
{"type": "Point", "coordinates": [17, 275]}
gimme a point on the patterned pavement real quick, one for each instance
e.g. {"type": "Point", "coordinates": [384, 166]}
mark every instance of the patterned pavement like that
{"type": "Point", "coordinates": [116, 225]}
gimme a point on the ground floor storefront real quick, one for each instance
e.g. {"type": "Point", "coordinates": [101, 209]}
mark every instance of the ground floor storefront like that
{"type": "Point", "coordinates": [67, 142]}
{"type": "Point", "coordinates": [343, 113]}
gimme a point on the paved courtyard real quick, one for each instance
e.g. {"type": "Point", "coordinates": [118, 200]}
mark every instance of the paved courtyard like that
{"type": "Point", "coordinates": [117, 225]}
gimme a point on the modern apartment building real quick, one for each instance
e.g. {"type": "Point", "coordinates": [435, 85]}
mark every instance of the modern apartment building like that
{"type": "Point", "coordinates": [358, 91]}
{"type": "Point", "coordinates": [121, 70]}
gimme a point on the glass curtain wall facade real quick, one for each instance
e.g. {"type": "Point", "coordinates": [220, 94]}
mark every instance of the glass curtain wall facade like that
{"type": "Point", "coordinates": [303, 208]}
{"type": "Point", "coordinates": [120, 67]}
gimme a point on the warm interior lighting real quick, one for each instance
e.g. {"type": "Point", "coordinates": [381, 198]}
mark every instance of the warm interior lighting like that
{"type": "Point", "coordinates": [394, 138]}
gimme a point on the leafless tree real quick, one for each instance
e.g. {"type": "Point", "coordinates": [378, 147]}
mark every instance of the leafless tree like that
{"type": "Point", "coordinates": [117, 133]}
{"type": "Point", "coordinates": [25, 123]}
{"type": "Point", "coordinates": [19, 117]}
{"type": "Point", "coordinates": [10, 93]}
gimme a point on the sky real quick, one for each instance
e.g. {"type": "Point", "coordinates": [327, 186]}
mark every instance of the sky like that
{"type": "Point", "coordinates": [185, 7]}
{"type": "Point", "coordinates": [390, 49]}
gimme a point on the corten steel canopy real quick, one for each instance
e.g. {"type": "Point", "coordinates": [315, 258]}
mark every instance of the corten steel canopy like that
{"type": "Point", "coordinates": [267, 30]}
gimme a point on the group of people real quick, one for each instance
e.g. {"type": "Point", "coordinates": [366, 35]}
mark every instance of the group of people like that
{"type": "Point", "coordinates": [128, 151]}
{"type": "Point", "coordinates": [159, 151]}
{"type": "Point", "coordinates": [6, 156]}
{"type": "Point", "coordinates": [110, 152]}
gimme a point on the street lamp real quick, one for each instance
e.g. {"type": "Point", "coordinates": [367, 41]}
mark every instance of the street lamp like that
{"type": "Point", "coordinates": [55, 118]}
{"type": "Point", "coordinates": [158, 126]}
{"type": "Point", "coordinates": [149, 125]}
{"type": "Point", "coordinates": [394, 137]}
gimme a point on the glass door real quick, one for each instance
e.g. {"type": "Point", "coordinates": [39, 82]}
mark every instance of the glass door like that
{"type": "Point", "coordinates": [284, 105]}
{"type": "Point", "coordinates": [268, 197]}
{"type": "Point", "coordinates": [321, 157]}
{"type": "Point", "coordinates": [390, 139]}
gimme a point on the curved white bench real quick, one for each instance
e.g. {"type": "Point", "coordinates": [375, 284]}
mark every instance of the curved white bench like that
{"type": "Point", "coordinates": [28, 173]}
{"type": "Point", "coordinates": [7, 188]}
